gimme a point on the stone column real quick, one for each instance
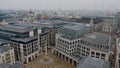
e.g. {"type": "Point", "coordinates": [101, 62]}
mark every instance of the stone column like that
{"type": "Point", "coordinates": [68, 60]}
{"type": "Point", "coordinates": [31, 58]}
{"type": "Point", "coordinates": [72, 62]}
{"type": "Point", "coordinates": [46, 51]}
{"type": "Point", "coordinates": [65, 58]}
{"type": "Point", "coordinates": [61, 56]}
{"type": "Point", "coordinates": [27, 60]}
{"type": "Point", "coordinates": [58, 54]}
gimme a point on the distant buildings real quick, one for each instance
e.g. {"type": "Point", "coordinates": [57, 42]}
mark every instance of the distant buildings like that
{"type": "Point", "coordinates": [109, 25]}
{"type": "Point", "coordinates": [28, 35]}
{"type": "Point", "coordinates": [118, 17]}
{"type": "Point", "coordinates": [117, 54]}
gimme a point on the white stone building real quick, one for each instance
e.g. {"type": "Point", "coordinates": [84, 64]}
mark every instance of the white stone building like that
{"type": "Point", "coordinates": [7, 55]}
{"type": "Point", "coordinates": [74, 42]}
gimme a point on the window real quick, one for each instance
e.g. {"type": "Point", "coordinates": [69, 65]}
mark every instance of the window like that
{"type": "Point", "coordinates": [103, 55]}
{"type": "Point", "coordinates": [92, 52]}
{"type": "Point", "coordinates": [97, 53]}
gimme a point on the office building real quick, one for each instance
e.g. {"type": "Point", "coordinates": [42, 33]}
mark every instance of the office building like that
{"type": "Point", "coordinates": [7, 55]}
{"type": "Point", "coordinates": [67, 41]}
{"type": "Point", "coordinates": [96, 45]}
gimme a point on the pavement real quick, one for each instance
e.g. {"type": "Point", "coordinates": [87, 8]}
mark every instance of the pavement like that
{"type": "Point", "coordinates": [57, 62]}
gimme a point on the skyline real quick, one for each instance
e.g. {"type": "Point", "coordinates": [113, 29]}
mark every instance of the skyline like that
{"type": "Point", "coordinates": [62, 4]}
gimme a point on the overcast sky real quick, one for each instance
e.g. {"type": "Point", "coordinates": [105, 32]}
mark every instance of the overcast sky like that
{"type": "Point", "coordinates": [63, 4]}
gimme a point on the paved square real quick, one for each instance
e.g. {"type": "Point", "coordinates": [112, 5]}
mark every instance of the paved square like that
{"type": "Point", "coordinates": [50, 61]}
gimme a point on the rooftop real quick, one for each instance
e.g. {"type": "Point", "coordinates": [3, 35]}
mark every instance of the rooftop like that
{"type": "Point", "coordinates": [5, 48]}
{"type": "Point", "coordinates": [15, 65]}
{"type": "Point", "coordinates": [16, 28]}
{"type": "Point", "coordinates": [24, 40]}
{"type": "Point", "coordinates": [76, 26]}
{"type": "Point", "coordinates": [98, 37]}
{"type": "Point", "coordinates": [91, 62]}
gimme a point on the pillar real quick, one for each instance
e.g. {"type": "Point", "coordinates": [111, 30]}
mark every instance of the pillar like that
{"type": "Point", "coordinates": [61, 56]}
{"type": "Point", "coordinates": [58, 54]}
{"type": "Point", "coordinates": [34, 56]}
{"type": "Point", "coordinates": [72, 62]}
{"type": "Point", "coordinates": [27, 60]}
{"type": "Point", "coordinates": [65, 58]}
{"type": "Point", "coordinates": [68, 60]}
{"type": "Point", "coordinates": [31, 58]}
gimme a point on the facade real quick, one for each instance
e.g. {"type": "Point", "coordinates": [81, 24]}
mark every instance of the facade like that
{"type": "Point", "coordinates": [90, 62]}
{"type": "Point", "coordinates": [67, 41]}
{"type": "Point", "coordinates": [74, 42]}
{"type": "Point", "coordinates": [117, 52]}
{"type": "Point", "coordinates": [44, 40]}
{"type": "Point", "coordinates": [109, 26]}
{"type": "Point", "coordinates": [23, 38]}
{"type": "Point", "coordinates": [51, 27]}
{"type": "Point", "coordinates": [26, 49]}
{"type": "Point", "coordinates": [52, 35]}
{"type": "Point", "coordinates": [96, 45]}
{"type": "Point", "coordinates": [118, 17]}
{"type": "Point", "coordinates": [7, 55]}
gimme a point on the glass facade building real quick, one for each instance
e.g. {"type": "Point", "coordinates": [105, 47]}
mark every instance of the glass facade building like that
{"type": "Point", "coordinates": [74, 31]}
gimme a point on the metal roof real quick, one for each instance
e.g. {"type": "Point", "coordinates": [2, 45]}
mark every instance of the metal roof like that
{"type": "Point", "coordinates": [77, 26]}
{"type": "Point", "coordinates": [98, 37]}
{"type": "Point", "coordinates": [5, 48]}
{"type": "Point", "coordinates": [91, 62]}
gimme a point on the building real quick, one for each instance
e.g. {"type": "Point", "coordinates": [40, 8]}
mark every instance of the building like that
{"type": "Point", "coordinates": [117, 54]}
{"type": "Point", "coordinates": [96, 45]}
{"type": "Point", "coordinates": [51, 27]}
{"type": "Point", "coordinates": [109, 25]}
{"type": "Point", "coordinates": [7, 55]}
{"type": "Point", "coordinates": [23, 38]}
{"type": "Point", "coordinates": [90, 62]}
{"type": "Point", "coordinates": [26, 49]}
{"type": "Point", "coordinates": [15, 65]}
{"type": "Point", "coordinates": [75, 41]}
{"type": "Point", "coordinates": [118, 17]}
{"type": "Point", "coordinates": [67, 41]}
{"type": "Point", "coordinates": [44, 40]}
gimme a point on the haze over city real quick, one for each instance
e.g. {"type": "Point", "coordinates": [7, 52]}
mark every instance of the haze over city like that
{"type": "Point", "coordinates": [63, 4]}
{"type": "Point", "coordinates": [59, 33]}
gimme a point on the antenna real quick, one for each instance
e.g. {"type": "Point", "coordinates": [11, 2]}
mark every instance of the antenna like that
{"type": "Point", "coordinates": [59, 10]}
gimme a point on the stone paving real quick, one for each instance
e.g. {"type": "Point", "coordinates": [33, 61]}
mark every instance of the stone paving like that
{"type": "Point", "coordinates": [50, 61]}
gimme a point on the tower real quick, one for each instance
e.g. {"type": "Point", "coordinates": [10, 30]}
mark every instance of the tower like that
{"type": "Point", "coordinates": [31, 16]}
{"type": "Point", "coordinates": [92, 23]}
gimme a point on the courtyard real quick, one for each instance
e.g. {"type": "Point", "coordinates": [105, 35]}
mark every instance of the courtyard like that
{"type": "Point", "coordinates": [49, 61]}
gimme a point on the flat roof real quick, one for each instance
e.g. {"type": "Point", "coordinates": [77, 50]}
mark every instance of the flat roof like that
{"type": "Point", "coordinates": [16, 28]}
{"type": "Point", "coordinates": [5, 48]}
{"type": "Point", "coordinates": [90, 62]}
{"type": "Point", "coordinates": [98, 38]}
{"type": "Point", "coordinates": [76, 26]}
{"type": "Point", "coordinates": [15, 65]}
{"type": "Point", "coordinates": [24, 40]}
